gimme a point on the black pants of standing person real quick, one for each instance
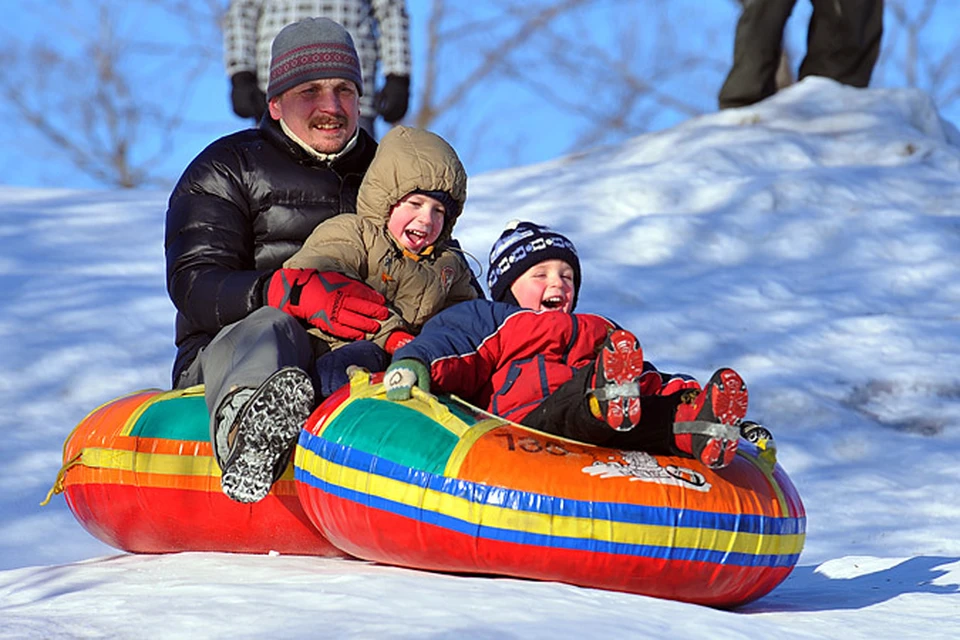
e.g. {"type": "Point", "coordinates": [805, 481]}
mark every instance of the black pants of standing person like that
{"type": "Point", "coordinates": [843, 42]}
{"type": "Point", "coordinates": [566, 413]}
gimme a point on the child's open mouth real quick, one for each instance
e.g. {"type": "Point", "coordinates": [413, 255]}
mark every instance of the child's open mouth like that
{"type": "Point", "coordinates": [553, 302]}
{"type": "Point", "coordinates": [416, 234]}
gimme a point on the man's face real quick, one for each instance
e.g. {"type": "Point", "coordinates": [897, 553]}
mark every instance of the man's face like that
{"type": "Point", "coordinates": [546, 286]}
{"type": "Point", "coordinates": [323, 113]}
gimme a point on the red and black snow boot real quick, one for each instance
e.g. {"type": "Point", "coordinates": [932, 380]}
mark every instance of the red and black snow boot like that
{"type": "Point", "coordinates": [707, 423]}
{"type": "Point", "coordinates": [616, 380]}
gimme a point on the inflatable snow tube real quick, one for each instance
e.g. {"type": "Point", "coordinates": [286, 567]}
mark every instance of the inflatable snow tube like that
{"type": "Point", "coordinates": [139, 474]}
{"type": "Point", "coordinates": [433, 483]}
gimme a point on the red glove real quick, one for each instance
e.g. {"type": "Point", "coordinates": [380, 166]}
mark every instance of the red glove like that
{"type": "Point", "coordinates": [395, 340]}
{"type": "Point", "coordinates": [328, 300]}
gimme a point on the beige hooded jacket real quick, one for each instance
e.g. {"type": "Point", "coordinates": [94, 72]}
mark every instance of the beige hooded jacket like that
{"type": "Point", "coordinates": [359, 246]}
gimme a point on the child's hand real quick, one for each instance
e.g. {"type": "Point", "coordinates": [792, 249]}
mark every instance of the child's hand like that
{"type": "Point", "coordinates": [402, 376]}
{"type": "Point", "coordinates": [397, 339]}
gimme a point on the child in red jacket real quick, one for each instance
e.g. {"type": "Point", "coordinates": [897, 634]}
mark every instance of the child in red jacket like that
{"type": "Point", "coordinates": [527, 357]}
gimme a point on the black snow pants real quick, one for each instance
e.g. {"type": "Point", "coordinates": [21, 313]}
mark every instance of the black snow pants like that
{"type": "Point", "coordinates": [566, 413]}
{"type": "Point", "coordinates": [843, 43]}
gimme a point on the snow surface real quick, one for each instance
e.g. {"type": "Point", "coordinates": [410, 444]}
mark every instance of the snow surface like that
{"type": "Point", "coordinates": [810, 241]}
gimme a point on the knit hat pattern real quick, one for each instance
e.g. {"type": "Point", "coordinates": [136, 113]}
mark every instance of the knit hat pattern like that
{"type": "Point", "coordinates": [521, 246]}
{"type": "Point", "coordinates": [312, 49]}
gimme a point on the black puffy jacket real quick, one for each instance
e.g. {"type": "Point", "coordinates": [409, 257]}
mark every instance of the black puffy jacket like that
{"type": "Point", "coordinates": [242, 207]}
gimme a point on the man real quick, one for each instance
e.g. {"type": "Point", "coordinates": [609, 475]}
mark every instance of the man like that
{"type": "Point", "coordinates": [380, 29]}
{"type": "Point", "coordinates": [241, 208]}
{"type": "Point", "coordinates": [843, 43]}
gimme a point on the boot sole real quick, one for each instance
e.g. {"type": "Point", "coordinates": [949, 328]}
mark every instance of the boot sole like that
{"type": "Point", "coordinates": [728, 399]}
{"type": "Point", "coordinates": [722, 441]}
{"type": "Point", "coordinates": [622, 390]}
{"type": "Point", "coordinates": [268, 428]}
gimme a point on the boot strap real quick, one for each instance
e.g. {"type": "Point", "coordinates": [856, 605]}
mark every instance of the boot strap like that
{"type": "Point", "coordinates": [611, 391]}
{"type": "Point", "coordinates": [712, 429]}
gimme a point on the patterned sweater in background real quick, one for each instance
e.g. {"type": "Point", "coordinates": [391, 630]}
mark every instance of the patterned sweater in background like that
{"type": "Point", "coordinates": [379, 28]}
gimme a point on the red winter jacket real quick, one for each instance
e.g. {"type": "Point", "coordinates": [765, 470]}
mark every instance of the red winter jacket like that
{"type": "Point", "coordinates": [507, 360]}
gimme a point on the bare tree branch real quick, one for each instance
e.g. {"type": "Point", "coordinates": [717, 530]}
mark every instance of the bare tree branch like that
{"type": "Point", "coordinates": [909, 55]}
{"type": "Point", "coordinates": [492, 58]}
{"type": "Point", "coordinates": [110, 98]}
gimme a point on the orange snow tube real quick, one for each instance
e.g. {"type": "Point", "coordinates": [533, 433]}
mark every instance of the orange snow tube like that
{"type": "Point", "coordinates": [139, 475]}
{"type": "Point", "coordinates": [433, 483]}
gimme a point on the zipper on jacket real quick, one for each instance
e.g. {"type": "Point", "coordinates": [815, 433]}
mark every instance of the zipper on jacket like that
{"type": "Point", "coordinates": [573, 339]}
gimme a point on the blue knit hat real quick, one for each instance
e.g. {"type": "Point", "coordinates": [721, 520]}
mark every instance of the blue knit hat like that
{"type": "Point", "coordinates": [522, 245]}
{"type": "Point", "coordinates": [312, 49]}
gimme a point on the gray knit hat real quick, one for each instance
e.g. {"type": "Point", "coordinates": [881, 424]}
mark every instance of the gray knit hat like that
{"type": "Point", "coordinates": [311, 49]}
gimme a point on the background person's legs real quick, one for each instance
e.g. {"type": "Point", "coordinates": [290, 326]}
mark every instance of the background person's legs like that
{"type": "Point", "coordinates": [843, 40]}
{"type": "Point", "coordinates": [756, 53]}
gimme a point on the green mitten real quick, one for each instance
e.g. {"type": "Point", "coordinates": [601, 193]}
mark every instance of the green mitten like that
{"type": "Point", "coordinates": [402, 376]}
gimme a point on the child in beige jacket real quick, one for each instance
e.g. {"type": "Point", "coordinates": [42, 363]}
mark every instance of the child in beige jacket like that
{"type": "Point", "coordinates": [398, 243]}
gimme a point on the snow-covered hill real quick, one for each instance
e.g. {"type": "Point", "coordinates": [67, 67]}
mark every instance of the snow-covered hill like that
{"type": "Point", "coordinates": [812, 242]}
